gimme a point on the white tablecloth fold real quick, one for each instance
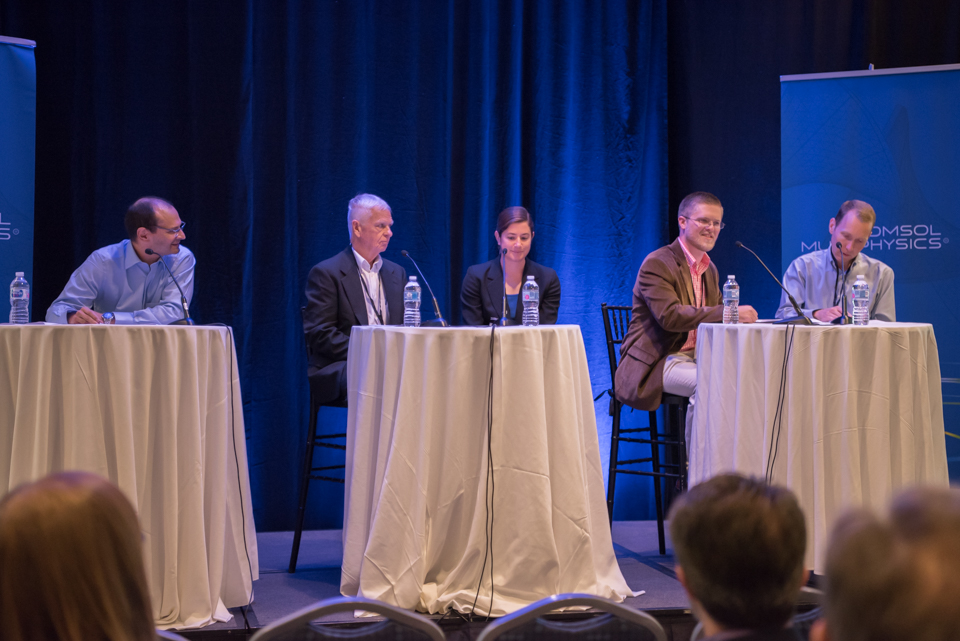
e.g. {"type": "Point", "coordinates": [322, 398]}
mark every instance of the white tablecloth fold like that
{"type": "Point", "coordinates": [414, 528]}
{"type": "Point", "coordinates": [862, 413]}
{"type": "Point", "coordinates": [157, 410]}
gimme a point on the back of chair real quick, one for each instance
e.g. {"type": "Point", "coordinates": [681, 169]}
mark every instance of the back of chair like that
{"type": "Point", "coordinates": [620, 622]}
{"type": "Point", "coordinates": [616, 321]}
{"type": "Point", "coordinates": [297, 625]}
{"type": "Point", "coordinates": [170, 636]}
{"type": "Point", "coordinates": [801, 623]}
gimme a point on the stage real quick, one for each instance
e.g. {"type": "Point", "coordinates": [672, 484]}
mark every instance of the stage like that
{"type": "Point", "coordinates": [278, 593]}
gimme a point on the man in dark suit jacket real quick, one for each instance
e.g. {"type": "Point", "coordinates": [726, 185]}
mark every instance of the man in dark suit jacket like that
{"type": "Point", "coordinates": [355, 287]}
{"type": "Point", "coordinates": [677, 289]}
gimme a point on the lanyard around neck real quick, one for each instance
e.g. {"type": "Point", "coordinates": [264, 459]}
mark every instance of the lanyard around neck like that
{"type": "Point", "coordinates": [838, 296]}
{"type": "Point", "coordinates": [375, 305]}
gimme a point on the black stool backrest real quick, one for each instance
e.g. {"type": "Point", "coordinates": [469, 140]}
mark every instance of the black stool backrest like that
{"type": "Point", "coordinates": [616, 320]}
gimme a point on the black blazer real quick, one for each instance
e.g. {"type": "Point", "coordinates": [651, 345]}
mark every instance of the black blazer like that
{"type": "Point", "coordinates": [335, 303]}
{"type": "Point", "coordinates": [481, 297]}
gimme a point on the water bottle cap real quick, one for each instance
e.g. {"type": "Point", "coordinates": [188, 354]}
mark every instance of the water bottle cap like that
{"type": "Point", "coordinates": [730, 277]}
{"type": "Point", "coordinates": [861, 277]}
{"type": "Point", "coordinates": [19, 274]}
{"type": "Point", "coordinates": [413, 279]}
{"type": "Point", "coordinates": [530, 277]}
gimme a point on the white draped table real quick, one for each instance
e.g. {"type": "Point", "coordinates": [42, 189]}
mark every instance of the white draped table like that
{"type": "Point", "coordinates": [861, 414]}
{"type": "Point", "coordinates": [417, 462]}
{"type": "Point", "coordinates": [157, 410]}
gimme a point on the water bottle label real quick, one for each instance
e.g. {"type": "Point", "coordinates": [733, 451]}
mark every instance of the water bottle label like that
{"type": "Point", "coordinates": [531, 296]}
{"type": "Point", "coordinates": [20, 293]}
{"type": "Point", "coordinates": [411, 296]}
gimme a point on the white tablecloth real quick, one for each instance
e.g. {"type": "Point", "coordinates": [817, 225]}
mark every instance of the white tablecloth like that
{"type": "Point", "coordinates": [157, 410]}
{"type": "Point", "coordinates": [862, 413]}
{"type": "Point", "coordinates": [416, 463]}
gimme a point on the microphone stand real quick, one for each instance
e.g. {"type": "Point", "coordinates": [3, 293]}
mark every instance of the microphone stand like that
{"type": "Point", "coordinates": [186, 320]}
{"type": "Point", "coordinates": [799, 319]}
{"type": "Point", "coordinates": [438, 321]}
{"type": "Point", "coordinates": [503, 267]}
{"type": "Point", "coordinates": [842, 319]}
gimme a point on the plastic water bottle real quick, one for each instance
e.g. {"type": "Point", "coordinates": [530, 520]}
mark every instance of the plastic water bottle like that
{"type": "Point", "coordinates": [731, 301]}
{"type": "Point", "coordinates": [20, 300]}
{"type": "Point", "coordinates": [861, 301]}
{"type": "Point", "coordinates": [411, 303]}
{"type": "Point", "coordinates": [531, 302]}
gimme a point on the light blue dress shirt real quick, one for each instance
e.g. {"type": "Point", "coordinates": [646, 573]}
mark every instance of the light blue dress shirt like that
{"type": "Point", "coordinates": [114, 279]}
{"type": "Point", "coordinates": [814, 281]}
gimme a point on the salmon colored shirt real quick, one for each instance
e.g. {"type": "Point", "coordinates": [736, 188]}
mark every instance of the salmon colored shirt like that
{"type": "Point", "coordinates": [697, 269]}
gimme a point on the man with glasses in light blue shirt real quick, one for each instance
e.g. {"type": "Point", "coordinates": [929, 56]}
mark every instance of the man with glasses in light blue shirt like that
{"type": "Point", "coordinates": [126, 281]}
{"type": "Point", "coordinates": [821, 279]}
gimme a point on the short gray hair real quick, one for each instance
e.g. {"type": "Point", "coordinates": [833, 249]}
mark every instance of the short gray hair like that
{"type": "Point", "coordinates": [360, 205]}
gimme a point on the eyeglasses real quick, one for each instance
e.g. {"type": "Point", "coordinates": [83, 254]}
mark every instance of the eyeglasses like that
{"type": "Point", "coordinates": [173, 230]}
{"type": "Point", "coordinates": [706, 222]}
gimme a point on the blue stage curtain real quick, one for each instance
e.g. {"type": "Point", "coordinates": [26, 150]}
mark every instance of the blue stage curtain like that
{"type": "Point", "coordinates": [260, 120]}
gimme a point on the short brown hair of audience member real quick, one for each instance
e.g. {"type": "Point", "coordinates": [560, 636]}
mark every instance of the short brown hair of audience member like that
{"type": "Point", "coordinates": [739, 546]}
{"type": "Point", "coordinates": [71, 566]}
{"type": "Point", "coordinates": [895, 577]}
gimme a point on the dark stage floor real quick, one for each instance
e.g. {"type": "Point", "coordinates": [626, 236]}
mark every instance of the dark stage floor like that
{"type": "Point", "coordinates": [279, 593]}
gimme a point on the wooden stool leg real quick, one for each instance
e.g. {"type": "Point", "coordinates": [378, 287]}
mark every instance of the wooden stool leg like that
{"type": "Point", "coordinates": [304, 483]}
{"type": "Point", "coordinates": [614, 452]}
{"type": "Point", "coordinates": [657, 480]}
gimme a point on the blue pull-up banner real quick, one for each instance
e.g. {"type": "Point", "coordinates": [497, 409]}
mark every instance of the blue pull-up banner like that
{"type": "Point", "coordinates": [18, 126]}
{"type": "Point", "coordinates": [892, 138]}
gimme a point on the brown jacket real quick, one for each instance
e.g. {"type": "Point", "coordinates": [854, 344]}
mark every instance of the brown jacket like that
{"type": "Point", "coordinates": [663, 314]}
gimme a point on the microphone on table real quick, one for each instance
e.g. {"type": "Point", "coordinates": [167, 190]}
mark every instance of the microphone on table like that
{"type": "Point", "coordinates": [186, 320]}
{"type": "Point", "coordinates": [438, 321]}
{"type": "Point", "coordinates": [503, 314]}
{"type": "Point", "coordinates": [799, 319]}
{"type": "Point", "coordinates": [842, 319]}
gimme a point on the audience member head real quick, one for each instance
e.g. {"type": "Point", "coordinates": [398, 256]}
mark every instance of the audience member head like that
{"type": "Point", "coordinates": [70, 563]}
{"type": "Point", "coordinates": [514, 234]}
{"type": "Point", "coordinates": [895, 577]}
{"type": "Point", "coordinates": [851, 227]}
{"type": "Point", "coordinates": [369, 219]}
{"type": "Point", "coordinates": [739, 545]}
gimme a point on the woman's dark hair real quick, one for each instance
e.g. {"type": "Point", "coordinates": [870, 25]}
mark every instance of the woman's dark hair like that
{"type": "Point", "coordinates": [512, 215]}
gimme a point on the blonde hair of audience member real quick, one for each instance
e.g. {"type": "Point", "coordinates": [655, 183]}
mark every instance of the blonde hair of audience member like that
{"type": "Point", "coordinates": [895, 577]}
{"type": "Point", "coordinates": [70, 563]}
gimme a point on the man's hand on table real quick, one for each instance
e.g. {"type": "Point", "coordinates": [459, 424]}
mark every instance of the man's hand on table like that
{"type": "Point", "coordinates": [746, 314]}
{"type": "Point", "coordinates": [86, 316]}
{"type": "Point", "coordinates": [827, 315]}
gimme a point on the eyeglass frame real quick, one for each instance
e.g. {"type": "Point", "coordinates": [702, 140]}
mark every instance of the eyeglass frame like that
{"type": "Point", "coordinates": [719, 225]}
{"type": "Point", "coordinates": [174, 230]}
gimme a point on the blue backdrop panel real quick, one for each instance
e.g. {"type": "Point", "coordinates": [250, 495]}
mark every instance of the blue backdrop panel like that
{"type": "Point", "coordinates": [891, 138]}
{"type": "Point", "coordinates": [260, 120]}
{"type": "Point", "coordinates": [18, 120]}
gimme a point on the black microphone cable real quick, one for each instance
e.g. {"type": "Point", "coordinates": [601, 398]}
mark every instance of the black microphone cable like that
{"type": "Point", "coordinates": [777, 424]}
{"type": "Point", "coordinates": [489, 491]}
{"type": "Point", "coordinates": [236, 459]}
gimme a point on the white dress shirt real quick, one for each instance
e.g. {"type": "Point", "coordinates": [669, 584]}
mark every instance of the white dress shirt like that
{"type": "Point", "coordinates": [372, 288]}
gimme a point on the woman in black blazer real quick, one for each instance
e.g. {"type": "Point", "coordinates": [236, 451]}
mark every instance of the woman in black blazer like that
{"type": "Point", "coordinates": [481, 297]}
